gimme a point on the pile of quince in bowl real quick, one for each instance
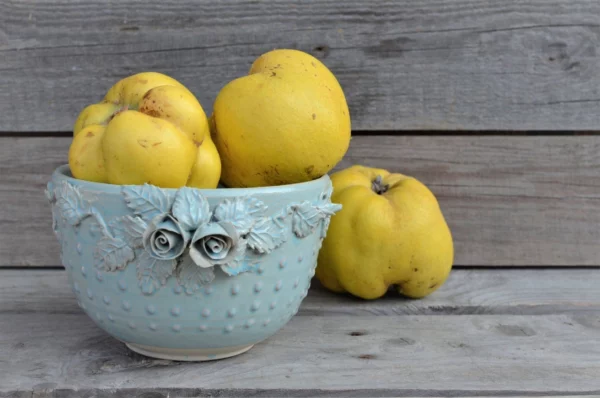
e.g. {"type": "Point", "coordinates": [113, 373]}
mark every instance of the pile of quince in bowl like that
{"type": "Point", "coordinates": [286, 122]}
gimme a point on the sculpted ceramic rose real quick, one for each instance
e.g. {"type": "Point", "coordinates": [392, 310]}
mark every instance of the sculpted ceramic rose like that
{"type": "Point", "coordinates": [165, 239]}
{"type": "Point", "coordinates": [215, 244]}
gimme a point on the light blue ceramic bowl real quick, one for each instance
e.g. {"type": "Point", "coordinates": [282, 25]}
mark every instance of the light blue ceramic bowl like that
{"type": "Point", "coordinates": [189, 274]}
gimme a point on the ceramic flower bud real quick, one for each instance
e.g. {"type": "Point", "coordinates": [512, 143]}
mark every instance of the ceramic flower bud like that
{"type": "Point", "coordinates": [214, 244]}
{"type": "Point", "coordinates": [165, 239]}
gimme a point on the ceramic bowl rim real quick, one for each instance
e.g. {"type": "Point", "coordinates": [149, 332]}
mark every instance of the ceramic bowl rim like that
{"type": "Point", "coordinates": [64, 172]}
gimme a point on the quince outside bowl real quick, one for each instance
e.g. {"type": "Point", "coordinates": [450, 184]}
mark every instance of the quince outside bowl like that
{"type": "Point", "coordinates": [189, 274]}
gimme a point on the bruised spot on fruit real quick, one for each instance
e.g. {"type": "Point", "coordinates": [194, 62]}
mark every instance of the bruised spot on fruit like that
{"type": "Point", "coordinates": [433, 286]}
{"type": "Point", "coordinates": [157, 143]}
{"type": "Point", "coordinates": [89, 134]}
{"type": "Point", "coordinates": [416, 270]}
{"type": "Point", "coordinates": [148, 93]}
{"type": "Point", "coordinates": [271, 172]}
{"type": "Point", "coordinates": [150, 112]}
{"type": "Point", "coordinates": [143, 81]}
{"type": "Point", "coordinates": [197, 143]}
{"type": "Point", "coordinates": [143, 143]}
{"type": "Point", "coordinates": [273, 74]}
{"type": "Point", "coordinates": [313, 64]}
{"type": "Point", "coordinates": [314, 116]}
{"type": "Point", "coordinates": [309, 169]}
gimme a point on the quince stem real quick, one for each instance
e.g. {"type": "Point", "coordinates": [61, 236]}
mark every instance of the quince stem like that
{"type": "Point", "coordinates": [378, 186]}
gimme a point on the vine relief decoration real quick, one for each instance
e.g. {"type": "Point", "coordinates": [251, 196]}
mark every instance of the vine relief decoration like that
{"type": "Point", "coordinates": [179, 235]}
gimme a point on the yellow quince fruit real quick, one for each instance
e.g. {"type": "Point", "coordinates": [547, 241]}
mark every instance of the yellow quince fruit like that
{"type": "Point", "coordinates": [148, 129]}
{"type": "Point", "coordinates": [287, 121]}
{"type": "Point", "coordinates": [390, 231]}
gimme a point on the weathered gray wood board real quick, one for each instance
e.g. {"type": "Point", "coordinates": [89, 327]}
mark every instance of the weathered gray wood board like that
{"type": "Point", "coordinates": [467, 292]}
{"type": "Point", "coordinates": [431, 64]}
{"type": "Point", "coordinates": [509, 200]}
{"type": "Point", "coordinates": [61, 353]}
{"type": "Point", "coordinates": [397, 354]}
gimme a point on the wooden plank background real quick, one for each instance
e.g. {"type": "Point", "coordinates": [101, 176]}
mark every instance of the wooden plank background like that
{"type": "Point", "coordinates": [429, 64]}
{"type": "Point", "coordinates": [508, 200]}
{"type": "Point", "coordinates": [409, 68]}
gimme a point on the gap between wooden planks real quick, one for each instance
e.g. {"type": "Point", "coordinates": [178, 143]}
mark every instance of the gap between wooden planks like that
{"type": "Point", "coordinates": [431, 64]}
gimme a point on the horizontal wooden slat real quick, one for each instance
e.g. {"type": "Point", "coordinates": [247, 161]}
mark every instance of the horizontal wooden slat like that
{"type": "Point", "coordinates": [392, 356]}
{"type": "Point", "coordinates": [430, 64]}
{"type": "Point", "coordinates": [509, 200]}
{"type": "Point", "coordinates": [54, 349]}
{"type": "Point", "coordinates": [467, 292]}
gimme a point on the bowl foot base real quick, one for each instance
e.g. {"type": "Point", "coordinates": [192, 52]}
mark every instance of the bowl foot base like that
{"type": "Point", "coordinates": [184, 354]}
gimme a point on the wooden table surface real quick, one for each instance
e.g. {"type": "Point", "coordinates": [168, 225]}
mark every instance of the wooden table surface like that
{"type": "Point", "coordinates": [485, 333]}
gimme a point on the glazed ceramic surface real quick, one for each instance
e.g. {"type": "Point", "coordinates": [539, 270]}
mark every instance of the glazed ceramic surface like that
{"type": "Point", "coordinates": [189, 274]}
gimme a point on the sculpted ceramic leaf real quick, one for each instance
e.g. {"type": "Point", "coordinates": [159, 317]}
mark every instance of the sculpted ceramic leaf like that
{"type": "Point", "coordinates": [131, 229]}
{"type": "Point", "coordinates": [246, 262]}
{"type": "Point", "coordinates": [267, 234]}
{"type": "Point", "coordinates": [191, 208]}
{"type": "Point", "coordinates": [306, 216]}
{"type": "Point", "coordinates": [71, 205]}
{"type": "Point", "coordinates": [146, 201]}
{"type": "Point", "coordinates": [191, 277]}
{"type": "Point", "coordinates": [241, 212]}
{"type": "Point", "coordinates": [49, 192]}
{"type": "Point", "coordinates": [328, 209]}
{"type": "Point", "coordinates": [325, 227]}
{"type": "Point", "coordinates": [112, 254]}
{"type": "Point", "coordinates": [153, 273]}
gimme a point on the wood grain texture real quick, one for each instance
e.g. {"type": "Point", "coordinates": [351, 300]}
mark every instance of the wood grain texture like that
{"type": "Point", "coordinates": [467, 292]}
{"type": "Point", "coordinates": [431, 64]}
{"type": "Point", "coordinates": [49, 348]}
{"type": "Point", "coordinates": [397, 355]}
{"type": "Point", "coordinates": [509, 200]}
